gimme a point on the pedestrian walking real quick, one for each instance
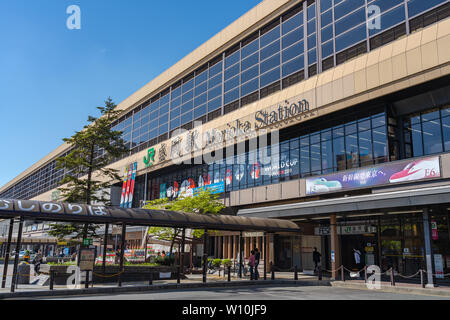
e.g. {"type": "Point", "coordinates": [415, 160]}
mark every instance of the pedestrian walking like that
{"type": "Point", "coordinates": [257, 258]}
{"type": "Point", "coordinates": [316, 258]}
{"type": "Point", "coordinates": [251, 264]}
{"type": "Point", "coordinates": [37, 261]}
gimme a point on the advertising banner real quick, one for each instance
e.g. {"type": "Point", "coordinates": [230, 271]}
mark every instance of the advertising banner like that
{"type": "Point", "coordinates": [384, 174]}
{"type": "Point", "coordinates": [213, 188]}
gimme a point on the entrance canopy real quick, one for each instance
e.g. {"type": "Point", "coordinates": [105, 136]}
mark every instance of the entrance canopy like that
{"type": "Point", "coordinates": [67, 212]}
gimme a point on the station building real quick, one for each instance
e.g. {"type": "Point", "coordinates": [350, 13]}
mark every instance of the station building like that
{"type": "Point", "coordinates": [354, 97]}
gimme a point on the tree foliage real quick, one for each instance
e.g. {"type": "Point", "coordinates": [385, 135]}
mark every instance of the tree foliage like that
{"type": "Point", "coordinates": [91, 151]}
{"type": "Point", "coordinates": [203, 203]}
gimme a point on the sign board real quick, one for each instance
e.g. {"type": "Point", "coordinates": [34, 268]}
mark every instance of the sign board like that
{"type": "Point", "coordinates": [434, 230]}
{"type": "Point", "coordinates": [345, 230]}
{"type": "Point", "coordinates": [87, 242]}
{"type": "Point", "coordinates": [384, 174]}
{"type": "Point", "coordinates": [62, 243]}
{"type": "Point", "coordinates": [439, 266]}
{"type": "Point", "coordinates": [87, 259]}
{"type": "Point", "coordinates": [252, 234]}
{"type": "Point", "coordinates": [165, 275]}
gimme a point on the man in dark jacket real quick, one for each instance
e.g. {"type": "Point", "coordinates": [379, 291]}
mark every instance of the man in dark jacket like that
{"type": "Point", "coordinates": [316, 258]}
{"type": "Point", "coordinates": [257, 258]}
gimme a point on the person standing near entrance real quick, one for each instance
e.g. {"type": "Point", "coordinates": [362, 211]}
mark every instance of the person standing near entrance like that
{"type": "Point", "coordinates": [257, 258]}
{"type": "Point", "coordinates": [251, 264]}
{"type": "Point", "coordinates": [316, 258]}
{"type": "Point", "coordinates": [357, 255]}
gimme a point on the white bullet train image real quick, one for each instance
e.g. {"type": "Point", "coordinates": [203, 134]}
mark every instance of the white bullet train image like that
{"type": "Point", "coordinates": [323, 185]}
{"type": "Point", "coordinates": [417, 170]}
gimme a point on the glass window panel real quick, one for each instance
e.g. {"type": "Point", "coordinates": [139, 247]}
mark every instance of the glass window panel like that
{"type": "Point", "coordinates": [327, 156]}
{"type": "Point", "coordinates": [231, 96]}
{"type": "Point", "coordinates": [231, 72]}
{"type": "Point", "coordinates": [390, 19]}
{"type": "Point", "coordinates": [346, 7]}
{"type": "Point", "coordinates": [235, 57]}
{"type": "Point", "coordinates": [430, 115]}
{"type": "Point", "coordinates": [312, 56]}
{"type": "Point", "coordinates": [187, 107]}
{"type": "Point", "coordinates": [293, 51]}
{"type": "Point", "coordinates": [154, 133]}
{"type": "Point", "coordinates": [312, 41]}
{"type": "Point", "coordinates": [416, 7]}
{"type": "Point", "coordinates": [154, 115]}
{"type": "Point", "coordinates": [327, 33]}
{"type": "Point", "coordinates": [214, 92]}
{"type": "Point", "coordinates": [325, 5]}
{"type": "Point", "coordinates": [188, 86]}
{"type": "Point", "coordinates": [215, 81]}
{"type": "Point", "coordinates": [380, 144]}
{"type": "Point", "coordinates": [188, 96]}
{"type": "Point", "coordinates": [174, 123]}
{"type": "Point", "coordinates": [386, 4]}
{"type": "Point", "coordinates": [339, 153]}
{"type": "Point", "coordinates": [164, 119]}
{"type": "Point", "coordinates": [175, 103]}
{"type": "Point", "coordinates": [164, 109]}
{"type": "Point", "coordinates": [292, 37]}
{"type": "Point", "coordinates": [432, 137]}
{"type": "Point", "coordinates": [270, 77]}
{"type": "Point", "coordinates": [154, 106]}
{"type": "Point", "coordinates": [176, 92]}
{"type": "Point", "coordinates": [249, 87]}
{"type": "Point", "coordinates": [200, 89]}
{"type": "Point", "coordinates": [270, 63]}
{"type": "Point", "coordinates": [293, 23]}
{"type": "Point", "coordinates": [363, 124]}
{"type": "Point", "coordinates": [250, 48]}
{"type": "Point", "coordinates": [311, 11]}
{"type": "Point", "coordinates": [311, 27]}
{"type": "Point", "coordinates": [293, 66]}
{"type": "Point", "coordinates": [270, 36]}
{"type": "Point", "coordinates": [175, 113]}
{"type": "Point", "coordinates": [350, 21]}
{"type": "Point", "coordinates": [214, 70]}
{"type": "Point", "coordinates": [445, 112]}
{"type": "Point", "coordinates": [232, 83]}
{"type": "Point", "coordinates": [270, 50]}
{"type": "Point", "coordinates": [250, 61]}
{"type": "Point", "coordinates": [201, 77]}
{"type": "Point", "coordinates": [200, 111]}
{"type": "Point", "coordinates": [446, 132]}
{"type": "Point", "coordinates": [351, 142]}
{"type": "Point", "coordinates": [164, 99]}
{"type": "Point", "coordinates": [249, 74]}
{"type": "Point", "coordinates": [365, 147]}
{"type": "Point", "coordinates": [350, 38]}
{"type": "Point", "coordinates": [305, 161]}
{"type": "Point", "coordinates": [327, 49]}
{"type": "Point", "coordinates": [185, 118]}
{"type": "Point", "coordinates": [200, 100]}
{"type": "Point", "coordinates": [378, 121]}
{"type": "Point", "coordinates": [326, 18]}
{"type": "Point", "coordinates": [215, 104]}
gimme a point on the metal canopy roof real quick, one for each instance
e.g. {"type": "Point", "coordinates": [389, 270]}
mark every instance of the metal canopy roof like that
{"type": "Point", "coordinates": [375, 202]}
{"type": "Point", "coordinates": [67, 212]}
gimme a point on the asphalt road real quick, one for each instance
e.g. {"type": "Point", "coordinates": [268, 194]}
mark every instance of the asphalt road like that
{"type": "Point", "coordinates": [258, 293]}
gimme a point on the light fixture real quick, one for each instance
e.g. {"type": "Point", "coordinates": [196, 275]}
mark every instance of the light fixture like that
{"type": "Point", "coordinates": [403, 212]}
{"type": "Point", "coordinates": [365, 215]}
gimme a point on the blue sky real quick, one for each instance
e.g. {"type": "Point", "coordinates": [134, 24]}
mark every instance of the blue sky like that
{"type": "Point", "coordinates": [52, 78]}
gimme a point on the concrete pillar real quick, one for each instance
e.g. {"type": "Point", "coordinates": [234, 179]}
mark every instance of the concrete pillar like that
{"type": "Point", "coordinates": [335, 254]}
{"type": "Point", "coordinates": [428, 251]}
{"type": "Point", "coordinates": [216, 246]}
{"type": "Point", "coordinates": [236, 247]}
{"type": "Point", "coordinates": [230, 247]}
{"type": "Point", "coordinates": [247, 247]}
{"type": "Point", "coordinates": [225, 247]}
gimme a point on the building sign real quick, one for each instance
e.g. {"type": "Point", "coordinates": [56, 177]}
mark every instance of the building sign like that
{"type": "Point", "coordinates": [150, 158]}
{"type": "Point", "coordinates": [389, 173]}
{"type": "Point", "coordinates": [126, 199]}
{"type": "Point", "coordinates": [87, 259]}
{"type": "Point", "coordinates": [345, 230]}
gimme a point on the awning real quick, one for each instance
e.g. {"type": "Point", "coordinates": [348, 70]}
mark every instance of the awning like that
{"type": "Point", "coordinates": [372, 202]}
{"type": "Point", "coordinates": [67, 212]}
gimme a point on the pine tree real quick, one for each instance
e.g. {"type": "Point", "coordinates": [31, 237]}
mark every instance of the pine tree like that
{"type": "Point", "coordinates": [87, 179]}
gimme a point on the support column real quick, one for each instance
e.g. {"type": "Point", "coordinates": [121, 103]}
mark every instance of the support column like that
{"type": "Point", "coordinates": [16, 256]}
{"type": "Point", "coordinates": [183, 243]}
{"type": "Point", "coordinates": [241, 254]}
{"type": "Point", "coordinates": [122, 249]}
{"type": "Point", "coordinates": [334, 247]}
{"type": "Point", "coordinates": [230, 247]}
{"type": "Point", "coordinates": [8, 249]}
{"type": "Point", "coordinates": [205, 254]}
{"type": "Point", "coordinates": [225, 247]}
{"type": "Point", "coordinates": [428, 251]}
{"type": "Point", "coordinates": [265, 255]}
{"type": "Point", "coordinates": [105, 244]}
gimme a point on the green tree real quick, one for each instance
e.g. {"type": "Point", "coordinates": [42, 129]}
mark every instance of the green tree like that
{"type": "Point", "coordinates": [203, 203]}
{"type": "Point", "coordinates": [87, 176]}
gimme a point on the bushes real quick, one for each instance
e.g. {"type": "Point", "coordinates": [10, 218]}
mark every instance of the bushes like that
{"type": "Point", "coordinates": [165, 261]}
{"type": "Point", "coordinates": [217, 263]}
{"type": "Point", "coordinates": [227, 263]}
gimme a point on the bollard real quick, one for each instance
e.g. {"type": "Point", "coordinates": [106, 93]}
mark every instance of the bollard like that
{"type": "Point", "coordinates": [272, 271]}
{"type": "Point", "coordinates": [178, 275]}
{"type": "Point", "coordinates": [295, 273]}
{"type": "Point", "coordinates": [229, 273]}
{"type": "Point", "coordinates": [392, 277]}
{"type": "Point", "coordinates": [86, 281]}
{"type": "Point", "coordinates": [52, 278]}
{"type": "Point", "coordinates": [365, 274]}
{"type": "Point", "coordinates": [150, 281]}
{"type": "Point", "coordinates": [422, 282]}
{"type": "Point", "coordinates": [342, 274]}
{"type": "Point", "coordinates": [320, 273]}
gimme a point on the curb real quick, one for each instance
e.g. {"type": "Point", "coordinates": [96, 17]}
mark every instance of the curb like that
{"type": "Point", "coordinates": [390, 289]}
{"type": "Point", "coordinates": [170, 286]}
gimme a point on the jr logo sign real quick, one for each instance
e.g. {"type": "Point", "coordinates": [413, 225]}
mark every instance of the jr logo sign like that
{"type": "Point", "coordinates": [150, 158]}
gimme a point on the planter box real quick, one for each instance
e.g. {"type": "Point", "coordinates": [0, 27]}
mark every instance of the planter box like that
{"type": "Point", "coordinates": [131, 273]}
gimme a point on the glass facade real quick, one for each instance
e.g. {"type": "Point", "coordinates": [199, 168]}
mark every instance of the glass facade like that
{"type": "Point", "coordinates": [309, 38]}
